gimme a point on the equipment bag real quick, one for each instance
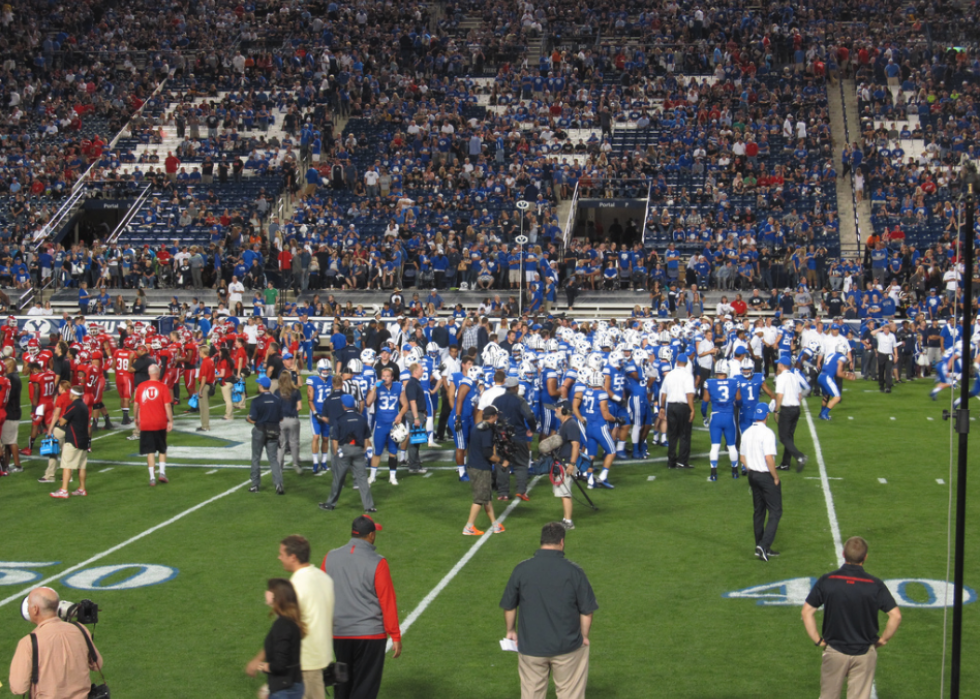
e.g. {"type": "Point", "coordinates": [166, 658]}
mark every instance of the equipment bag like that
{"type": "Point", "coordinates": [193, 402]}
{"type": "Point", "coordinates": [238, 391]}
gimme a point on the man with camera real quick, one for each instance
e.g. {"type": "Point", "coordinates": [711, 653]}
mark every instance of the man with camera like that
{"type": "Point", "coordinates": [513, 409]}
{"type": "Point", "coordinates": [62, 650]}
{"type": "Point", "coordinates": [265, 414]}
{"type": "Point", "coordinates": [480, 458]}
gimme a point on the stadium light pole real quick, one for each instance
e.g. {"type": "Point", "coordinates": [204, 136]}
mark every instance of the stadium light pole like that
{"type": "Point", "coordinates": [970, 182]}
{"type": "Point", "coordinates": [521, 240]}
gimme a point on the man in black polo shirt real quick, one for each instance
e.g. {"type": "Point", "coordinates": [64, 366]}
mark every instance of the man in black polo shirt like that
{"type": "Point", "coordinates": [265, 414]}
{"type": "Point", "coordinates": [514, 409]}
{"type": "Point", "coordinates": [274, 367]}
{"type": "Point", "coordinates": [416, 416]}
{"type": "Point", "coordinates": [851, 599]}
{"type": "Point", "coordinates": [556, 603]}
{"type": "Point", "coordinates": [350, 436]}
{"type": "Point", "coordinates": [568, 455]}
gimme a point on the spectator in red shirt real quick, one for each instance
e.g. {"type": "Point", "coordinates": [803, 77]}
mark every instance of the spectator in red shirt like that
{"type": "Point", "coordinates": [739, 307]}
{"type": "Point", "coordinates": [154, 418]}
{"type": "Point", "coordinates": [206, 379]}
{"type": "Point", "coordinates": [171, 164]}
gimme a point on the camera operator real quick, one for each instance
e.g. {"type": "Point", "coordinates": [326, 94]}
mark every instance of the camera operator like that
{"type": "Point", "coordinates": [515, 410]}
{"type": "Point", "coordinates": [480, 458]}
{"type": "Point", "coordinates": [568, 456]}
{"type": "Point", "coordinates": [266, 414]}
{"type": "Point", "coordinates": [62, 653]}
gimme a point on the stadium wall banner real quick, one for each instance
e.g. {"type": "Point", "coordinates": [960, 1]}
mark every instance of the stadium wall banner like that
{"type": "Point", "coordinates": [109, 577]}
{"type": "Point", "coordinates": [46, 325]}
{"type": "Point", "coordinates": [108, 204]}
{"type": "Point", "coordinates": [918, 593]}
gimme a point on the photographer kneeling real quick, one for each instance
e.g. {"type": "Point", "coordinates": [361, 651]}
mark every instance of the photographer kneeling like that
{"type": "Point", "coordinates": [63, 658]}
{"type": "Point", "coordinates": [480, 458]}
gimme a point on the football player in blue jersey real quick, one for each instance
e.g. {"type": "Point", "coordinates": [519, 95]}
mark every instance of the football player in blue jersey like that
{"type": "Point", "coordinates": [751, 386]}
{"type": "Point", "coordinates": [834, 366]}
{"type": "Point", "coordinates": [550, 392]}
{"type": "Point", "coordinates": [309, 334]}
{"type": "Point", "coordinates": [948, 369]}
{"type": "Point", "coordinates": [390, 407]}
{"type": "Point", "coordinates": [318, 387]}
{"type": "Point", "coordinates": [430, 382]}
{"type": "Point", "coordinates": [641, 414]}
{"type": "Point", "coordinates": [722, 393]}
{"type": "Point", "coordinates": [460, 390]}
{"type": "Point", "coordinates": [614, 379]}
{"type": "Point", "coordinates": [591, 408]}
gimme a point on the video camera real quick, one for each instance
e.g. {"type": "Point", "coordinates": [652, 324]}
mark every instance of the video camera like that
{"type": "Point", "coordinates": [84, 612]}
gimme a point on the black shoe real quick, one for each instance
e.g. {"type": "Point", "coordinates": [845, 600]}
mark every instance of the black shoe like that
{"type": "Point", "coordinates": [772, 554]}
{"type": "Point", "coordinates": [888, 390]}
{"type": "Point", "coordinates": [324, 506]}
{"type": "Point", "coordinates": [761, 554]}
{"type": "Point", "coordinates": [684, 466]}
{"type": "Point", "coordinates": [279, 490]}
{"type": "Point", "coordinates": [202, 429]}
{"type": "Point", "coordinates": [254, 489]}
{"type": "Point", "coordinates": [127, 421]}
{"type": "Point", "coordinates": [371, 509]}
{"type": "Point", "coordinates": [801, 462]}
{"type": "Point", "coordinates": [110, 426]}
{"type": "Point", "coordinates": [781, 467]}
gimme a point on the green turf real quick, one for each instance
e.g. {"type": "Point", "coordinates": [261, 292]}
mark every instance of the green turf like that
{"type": "Point", "coordinates": [660, 555]}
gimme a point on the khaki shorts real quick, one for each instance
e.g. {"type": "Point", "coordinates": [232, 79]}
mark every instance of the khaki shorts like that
{"type": "Point", "coordinates": [9, 433]}
{"type": "Point", "coordinates": [73, 458]}
{"type": "Point", "coordinates": [565, 489]}
{"type": "Point", "coordinates": [514, 275]}
{"type": "Point", "coordinates": [480, 481]}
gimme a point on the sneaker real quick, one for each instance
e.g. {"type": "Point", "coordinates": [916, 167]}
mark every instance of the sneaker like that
{"type": "Point", "coordinates": [279, 490]}
{"type": "Point", "coordinates": [371, 509]}
{"type": "Point", "coordinates": [322, 471]}
{"type": "Point", "coordinates": [604, 484]}
{"type": "Point", "coordinates": [470, 530]}
{"type": "Point", "coordinates": [371, 478]}
{"type": "Point", "coordinates": [523, 496]}
{"type": "Point", "coordinates": [202, 429]}
{"type": "Point", "coordinates": [761, 554]}
{"type": "Point", "coordinates": [392, 480]}
{"type": "Point", "coordinates": [622, 456]}
{"type": "Point", "coordinates": [824, 416]}
{"type": "Point", "coordinates": [163, 478]}
{"type": "Point", "coordinates": [153, 482]}
{"type": "Point", "coordinates": [772, 554]}
{"type": "Point", "coordinates": [254, 489]}
{"type": "Point", "coordinates": [80, 493]}
{"type": "Point", "coordinates": [25, 452]}
{"type": "Point", "coordinates": [568, 524]}
{"type": "Point", "coordinates": [465, 478]}
{"type": "Point", "coordinates": [16, 469]}
{"type": "Point", "coordinates": [781, 467]}
{"type": "Point", "coordinates": [714, 475]}
{"type": "Point", "coordinates": [498, 528]}
{"type": "Point", "coordinates": [109, 426]}
{"type": "Point", "coordinates": [133, 437]}
{"type": "Point", "coordinates": [734, 472]}
{"type": "Point", "coordinates": [45, 480]}
{"type": "Point", "coordinates": [433, 444]}
{"type": "Point", "coordinates": [326, 507]}
{"type": "Point", "coordinates": [61, 494]}
{"type": "Point", "coordinates": [801, 463]}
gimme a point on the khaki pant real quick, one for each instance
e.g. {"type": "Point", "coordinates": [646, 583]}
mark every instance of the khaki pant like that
{"type": "Point", "coordinates": [226, 394]}
{"type": "Point", "coordinates": [204, 405]}
{"type": "Point", "coordinates": [52, 468]}
{"type": "Point", "coordinates": [73, 458]}
{"type": "Point", "coordinates": [571, 672]}
{"type": "Point", "coordinates": [313, 687]}
{"type": "Point", "coordinates": [858, 669]}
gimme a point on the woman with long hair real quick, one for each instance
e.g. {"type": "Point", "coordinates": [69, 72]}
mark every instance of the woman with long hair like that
{"type": "Point", "coordinates": [292, 403]}
{"type": "Point", "coordinates": [279, 657]}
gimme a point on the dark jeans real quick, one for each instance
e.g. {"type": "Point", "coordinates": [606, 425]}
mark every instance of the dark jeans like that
{"type": "Point", "coordinates": [271, 447]}
{"type": "Point", "coordinates": [365, 659]}
{"type": "Point", "coordinates": [678, 434]}
{"type": "Point", "coordinates": [414, 459]}
{"type": "Point", "coordinates": [885, 365]}
{"type": "Point", "coordinates": [767, 497]}
{"type": "Point", "coordinates": [789, 415]}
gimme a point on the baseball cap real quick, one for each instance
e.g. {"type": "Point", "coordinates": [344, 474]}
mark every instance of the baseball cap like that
{"type": "Point", "coordinates": [489, 411]}
{"type": "Point", "coordinates": [510, 382]}
{"type": "Point", "coordinates": [364, 525]}
{"type": "Point", "coordinates": [740, 351]}
{"type": "Point", "coordinates": [682, 358]}
{"type": "Point", "coordinates": [761, 412]}
{"type": "Point", "coordinates": [348, 401]}
{"type": "Point", "coordinates": [287, 356]}
{"type": "Point", "coordinates": [263, 381]}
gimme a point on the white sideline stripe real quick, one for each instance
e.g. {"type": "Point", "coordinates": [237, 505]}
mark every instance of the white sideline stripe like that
{"type": "Point", "coordinates": [882, 481]}
{"type": "Point", "coordinates": [817, 478]}
{"type": "Point", "coordinates": [110, 551]}
{"type": "Point", "coordinates": [940, 481]}
{"type": "Point", "coordinates": [208, 473]}
{"type": "Point", "coordinates": [448, 578]}
{"type": "Point", "coordinates": [828, 496]}
{"type": "Point", "coordinates": [428, 475]}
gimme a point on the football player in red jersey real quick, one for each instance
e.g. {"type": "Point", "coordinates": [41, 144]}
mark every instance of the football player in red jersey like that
{"type": "Point", "coordinates": [41, 388]}
{"type": "Point", "coordinates": [9, 333]}
{"type": "Point", "coordinates": [79, 364]}
{"type": "Point", "coordinates": [262, 348]}
{"type": "Point", "coordinates": [189, 357]}
{"type": "Point", "coordinates": [94, 389]}
{"type": "Point", "coordinates": [121, 359]}
{"type": "Point", "coordinates": [4, 396]}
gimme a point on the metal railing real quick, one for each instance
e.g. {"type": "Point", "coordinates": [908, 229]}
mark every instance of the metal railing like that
{"type": "Point", "coordinates": [130, 214]}
{"type": "Point", "coordinates": [570, 221]}
{"type": "Point", "coordinates": [646, 214]}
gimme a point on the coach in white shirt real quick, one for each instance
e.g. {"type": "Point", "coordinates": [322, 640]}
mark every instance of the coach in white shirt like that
{"type": "Point", "coordinates": [235, 294]}
{"type": "Point", "coordinates": [758, 455]}
{"type": "Point", "coordinates": [677, 398]}
{"type": "Point", "coordinates": [788, 410]}
{"type": "Point", "coordinates": [887, 346]}
{"type": "Point", "coordinates": [706, 357]}
{"type": "Point", "coordinates": [498, 389]}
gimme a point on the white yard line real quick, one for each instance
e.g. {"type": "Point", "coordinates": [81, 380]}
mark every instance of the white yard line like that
{"type": "Point", "coordinates": [454, 571]}
{"type": "Point", "coordinates": [108, 552]}
{"type": "Point", "coordinates": [828, 496]}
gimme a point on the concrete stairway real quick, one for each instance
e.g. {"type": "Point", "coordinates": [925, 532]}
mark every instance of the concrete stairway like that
{"type": "Point", "coordinates": [845, 191]}
{"type": "Point", "coordinates": [851, 113]}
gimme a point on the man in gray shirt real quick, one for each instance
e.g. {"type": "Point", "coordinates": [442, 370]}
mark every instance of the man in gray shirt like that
{"type": "Point", "coordinates": [556, 603]}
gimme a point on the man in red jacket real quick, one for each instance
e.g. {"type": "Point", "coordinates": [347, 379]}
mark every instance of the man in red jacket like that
{"type": "Point", "coordinates": [365, 610]}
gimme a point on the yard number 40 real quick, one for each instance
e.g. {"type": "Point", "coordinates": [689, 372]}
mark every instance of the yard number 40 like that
{"type": "Point", "coordinates": [125, 576]}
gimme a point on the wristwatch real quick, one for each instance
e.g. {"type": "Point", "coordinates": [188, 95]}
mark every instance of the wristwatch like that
{"type": "Point", "coordinates": [819, 642]}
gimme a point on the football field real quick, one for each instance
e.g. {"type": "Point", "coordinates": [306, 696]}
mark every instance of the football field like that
{"type": "Point", "coordinates": [685, 608]}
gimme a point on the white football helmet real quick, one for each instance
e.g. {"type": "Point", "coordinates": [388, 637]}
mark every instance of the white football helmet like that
{"type": "Point", "coordinates": [552, 361]}
{"type": "Point", "coordinates": [500, 361]}
{"type": "Point", "coordinates": [551, 345]}
{"type": "Point", "coordinates": [640, 357]}
{"type": "Point", "coordinates": [527, 371]}
{"type": "Point", "coordinates": [748, 368]}
{"type": "Point", "coordinates": [323, 368]}
{"type": "Point", "coordinates": [664, 338]}
{"type": "Point", "coordinates": [433, 349]}
{"type": "Point", "coordinates": [577, 362]}
{"type": "Point", "coordinates": [489, 351]}
{"type": "Point", "coordinates": [595, 361]}
{"type": "Point", "coordinates": [517, 351]}
{"type": "Point", "coordinates": [843, 347]}
{"type": "Point", "coordinates": [665, 354]}
{"type": "Point", "coordinates": [721, 367]}
{"type": "Point", "coordinates": [399, 433]}
{"type": "Point", "coordinates": [616, 359]}
{"type": "Point", "coordinates": [368, 356]}
{"type": "Point", "coordinates": [596, 379]}
{"type": "Point", "coordinates": [355, 366]}
{"type": "Point", "coordinates": [475, 372]}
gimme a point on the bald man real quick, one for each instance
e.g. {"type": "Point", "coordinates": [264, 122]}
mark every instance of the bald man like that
{"type": "Point", "coordinates": [63, 658]}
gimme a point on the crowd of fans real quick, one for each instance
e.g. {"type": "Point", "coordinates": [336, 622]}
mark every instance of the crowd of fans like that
{"type": "Point", "coordinates": [718, 115]}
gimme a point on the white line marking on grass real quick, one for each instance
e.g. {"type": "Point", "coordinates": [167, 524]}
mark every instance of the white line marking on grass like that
{"type": "Point", "coordinates": [208, 473]}
{"type": "Point", "coordinates": [818, 478]}
{"type": "Point", "coordinates": [929, 419]}
{"type": "Point", "coordinates": [940, 481]}
{"type": "Point", "coordinates": [428, 475]}
{"type": "Point", "coordinates": [883, 481]}
{"type": "Point", "coordinates": [651, 478]}
{"type": "Point", "coordinates": [454, 571]}
{"type": "Point", "coordinates": [106, 469]}
{"type": "Point", "coordinates": [850, 417]}
{"type": "Point", "coordinates": [110, 551]}
{"type": "Point", "coordinates": [891, 418]}
{"type": "Point", "coordinates": [828, 496]}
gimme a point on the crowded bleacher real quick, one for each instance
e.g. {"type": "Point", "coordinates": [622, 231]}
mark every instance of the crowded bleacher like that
{"type": "Point", "coordinates": [374, 146]}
